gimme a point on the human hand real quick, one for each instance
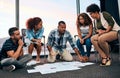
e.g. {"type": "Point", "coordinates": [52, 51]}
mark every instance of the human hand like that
{"type": "Point", "coordinates": [81, 41]}
{"type": "Point", "coordinates": [38, 41]}
{"type": "Point", "coordinates": [76, 50]}
{"type": "Point", "coordinates": [83, 59]}
{"type": "Point", "coordinates": [100, 32]}
{"type": "Point", "coordinates": [20, 42]}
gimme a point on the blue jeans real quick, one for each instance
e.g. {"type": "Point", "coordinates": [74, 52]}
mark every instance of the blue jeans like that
{"type": "Point", "coordinates": [88, 45]}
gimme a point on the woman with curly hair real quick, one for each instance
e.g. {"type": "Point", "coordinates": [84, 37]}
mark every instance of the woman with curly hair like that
{"type": "Point", "coordinates": [84, 29]}
{"type": "Point", "coordinates": [35, 31]}
{"type": "Point", "coordinates": [106, 31]}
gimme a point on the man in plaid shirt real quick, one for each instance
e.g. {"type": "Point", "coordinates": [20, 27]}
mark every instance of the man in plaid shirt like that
{"type": "Point", "coordinates": [57, 41]}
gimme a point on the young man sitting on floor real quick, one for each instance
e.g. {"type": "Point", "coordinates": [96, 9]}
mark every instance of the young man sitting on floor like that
{"type": "Point", "coordinates": [11, 54]}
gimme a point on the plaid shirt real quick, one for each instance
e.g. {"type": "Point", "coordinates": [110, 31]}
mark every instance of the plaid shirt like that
{"type": "Point", "coordinates": [53, 40]}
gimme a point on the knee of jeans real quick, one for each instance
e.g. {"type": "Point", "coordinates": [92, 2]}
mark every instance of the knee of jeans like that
{"type": "Point", "coordinates": [29, 56]}
{"type": "Point", "coordinates": [78, 42]}
{"type": "Point", "coordinates": [88, 42]}
{"type": "Point", "coordinates": [7, 60]}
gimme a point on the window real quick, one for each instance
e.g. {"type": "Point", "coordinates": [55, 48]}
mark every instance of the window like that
{"type": "Point", "coordinates": [7, 16]}
{"type": "Point", "coordinates": [51, 12]}
{"type": "Point", "coordinates": [119, 8]}
{"type": "Point", "coordinates": [85, 3]}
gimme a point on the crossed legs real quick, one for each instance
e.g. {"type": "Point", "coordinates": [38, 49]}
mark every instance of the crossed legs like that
{"type": "Point", "coordinates": [101, 43]}
{"type": "Point", "coordinates": [19, 63]}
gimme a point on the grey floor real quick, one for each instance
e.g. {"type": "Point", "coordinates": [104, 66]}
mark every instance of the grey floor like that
{"type": "Point", "coordinates": [93, 71]}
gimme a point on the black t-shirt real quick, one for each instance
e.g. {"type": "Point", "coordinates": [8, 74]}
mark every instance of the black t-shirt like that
{"type": "Point", "coordinates": [7, 46]}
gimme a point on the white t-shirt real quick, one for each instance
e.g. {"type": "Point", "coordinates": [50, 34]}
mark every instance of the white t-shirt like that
{"type": "Point", "coordinates": [84, 30]}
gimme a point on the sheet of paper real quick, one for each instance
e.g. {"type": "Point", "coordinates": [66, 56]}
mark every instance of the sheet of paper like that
{"type": "Point", "coordinates": [87, 63]}
{"type": "Point", "coordinates": [58, 67]}
{"type": "Point", "coordinates": [32, 71]}
{"type": "Point", "coordinates": [32, 62]}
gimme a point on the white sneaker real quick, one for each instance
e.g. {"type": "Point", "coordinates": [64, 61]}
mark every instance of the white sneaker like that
{"type": "Point", "coordinates": [30, 63]}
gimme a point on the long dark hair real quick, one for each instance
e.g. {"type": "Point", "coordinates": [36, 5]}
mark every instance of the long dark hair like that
{"type": "Point", "coordinates": [87, 19]}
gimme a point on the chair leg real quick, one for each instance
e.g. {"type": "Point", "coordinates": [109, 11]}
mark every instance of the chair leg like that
{"type": "Point", "coordinates": [110, 51]}
{"type": "Point", "coordinates": [44, 51]}
{"type": "Point", "coordinates": [119, 54]}
{"type": "Point", "coordinates": [96, 56]}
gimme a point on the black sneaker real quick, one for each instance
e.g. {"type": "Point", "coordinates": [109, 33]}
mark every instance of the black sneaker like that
{"type": "Point", "coordinates": [58, 57]}
{"type": "Point", "coordinates": [9, 68]}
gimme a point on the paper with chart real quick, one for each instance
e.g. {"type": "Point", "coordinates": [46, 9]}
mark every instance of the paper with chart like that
{"type": "Point", "coordinates": [58, 67]}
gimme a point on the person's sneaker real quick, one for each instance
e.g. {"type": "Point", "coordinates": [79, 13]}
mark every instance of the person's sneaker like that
{"type": "Point", "coordinates": [58, 57]}
{"type": "Point", "coordinates": [9, 68]}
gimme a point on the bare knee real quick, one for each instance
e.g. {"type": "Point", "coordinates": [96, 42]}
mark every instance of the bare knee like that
{"type": "Point", "coordinates": [38, 45]}
{"type": "Point", "coordinates": [101, 40]}
{"type": "Point", "coordinates": [93, 39]}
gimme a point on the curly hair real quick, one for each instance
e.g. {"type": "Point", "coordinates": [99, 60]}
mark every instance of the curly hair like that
{"type": "Point", "coordinates": [87, 19]}
{"type": "Point", "coordinates": [93, 8]}
{"type": "Point", "coordinates": [31, 22]}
